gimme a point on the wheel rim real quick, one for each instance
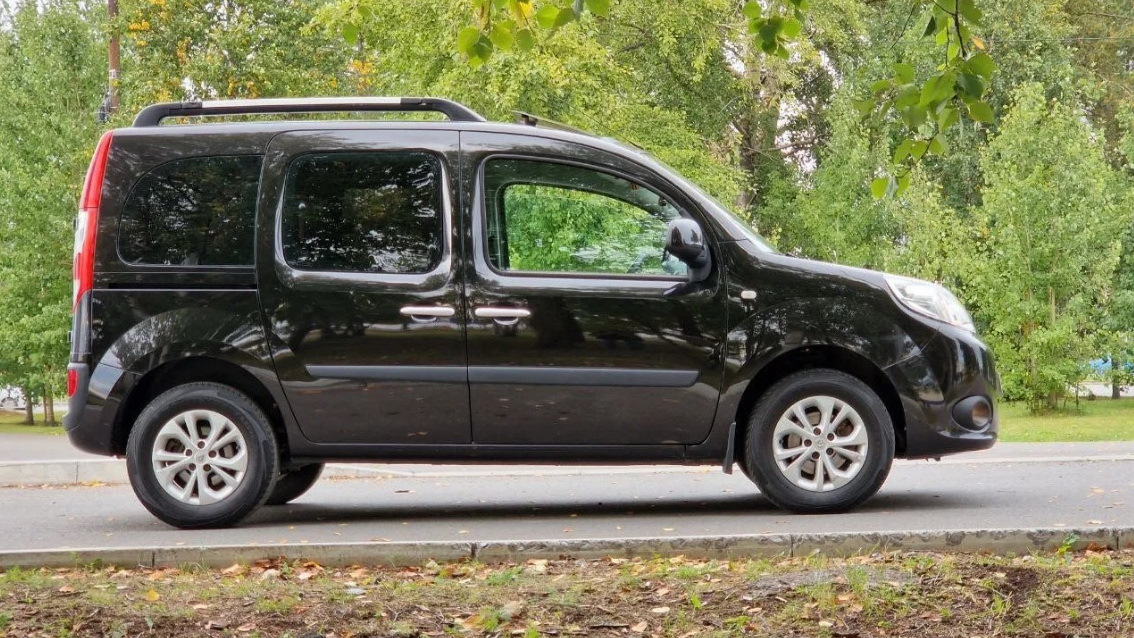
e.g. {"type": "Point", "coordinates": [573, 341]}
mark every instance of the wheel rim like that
{"type": "Point", "coordinates": [200, 457]}
{"type": "Point", "coordinates": [820, 443]}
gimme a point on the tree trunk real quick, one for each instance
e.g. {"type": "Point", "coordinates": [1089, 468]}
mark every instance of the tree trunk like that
{"type": "Point", "coordinates": [48, 406]}
{"type": "Point", "coordinates": [758, 158]}
{"type": "Point", "coordinates": [1115, 389]}
{"type": "Point", "coordinates": [29, 413]}
{"type": "Point", "coordinates": [1054, 396]}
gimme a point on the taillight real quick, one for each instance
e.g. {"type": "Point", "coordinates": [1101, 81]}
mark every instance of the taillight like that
{"type": "Point", "coordinates": [72, 382]}
{"type": "Point", "coordinates": [86, 223]}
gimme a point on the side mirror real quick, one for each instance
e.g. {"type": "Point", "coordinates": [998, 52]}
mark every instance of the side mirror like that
{"type": "Point", "coordinates": [685, 240]}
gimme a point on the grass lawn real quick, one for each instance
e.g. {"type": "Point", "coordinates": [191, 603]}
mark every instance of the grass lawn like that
{"type": "Point", "coordinates": [1098, 420]}
{"type": "Point", "coordinates": [10, 424]}
{"type": "Point", "coordinates": [892, 595]}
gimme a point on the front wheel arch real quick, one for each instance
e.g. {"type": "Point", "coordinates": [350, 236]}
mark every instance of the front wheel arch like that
{"type": "Point", "coordinates": [813, 357]}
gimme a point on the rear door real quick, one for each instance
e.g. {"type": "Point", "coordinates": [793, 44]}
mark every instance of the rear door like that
{"type": "Point", "coordinates": [574, 335]}
{"type": "Point", "coordinates": [356, 273]}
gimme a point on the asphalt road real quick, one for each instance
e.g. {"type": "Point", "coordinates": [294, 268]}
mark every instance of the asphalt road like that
{"type": "Point", "coordinates": [975, 492]}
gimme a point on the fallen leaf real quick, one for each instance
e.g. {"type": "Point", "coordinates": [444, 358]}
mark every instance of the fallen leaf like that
{"type": "Point", "coordinates": [640, 627]}
{"type": "Point", "coordinates": [236, 568]}
{"type": "Point", "coordinates": [246, 627]}
{"type": "Point", "coordinates": [66, 589]}
{"type": "Point", "coordinates": [152, 596]}
{"type": "Point", "coordinates": [216, 624]}
{"type": "Point", "coordinates": [200, 606]}
{"type": "Point", "coordinates": [660, 610]}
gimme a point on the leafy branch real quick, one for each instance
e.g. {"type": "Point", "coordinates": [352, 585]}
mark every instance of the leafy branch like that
{"type": "Point", "coordinates": [510, 24]}
{"type": "Point", "coordinates": [928, 108]}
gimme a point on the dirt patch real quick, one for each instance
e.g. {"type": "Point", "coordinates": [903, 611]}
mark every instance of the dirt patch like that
{"type": "Point", "coordinates": [1020, 581]}
{"type": "Point", "coordinates": [884, 595]}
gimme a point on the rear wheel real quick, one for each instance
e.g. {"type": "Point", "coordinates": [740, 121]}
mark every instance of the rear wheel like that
{"type": "Point", "coordinates": [819, 441]}
{"type": "Point", "coordinates": [294, 484]}
{"type": "Point", "coordinates": [202, 455]}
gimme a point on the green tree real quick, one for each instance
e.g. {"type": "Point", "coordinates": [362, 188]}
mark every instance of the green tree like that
{"type": "Point", "coordinates": [1053, 220]}
{"type": "Point", "coordinates": [658, 79]}
{"type": "Point", "coordinates": [52, 73]}
{"type": "Point", "coordinates": [200, 49]}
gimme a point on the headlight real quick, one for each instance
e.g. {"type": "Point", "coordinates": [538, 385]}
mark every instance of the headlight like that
{"type": "Point", "coordinates": [931, 300]}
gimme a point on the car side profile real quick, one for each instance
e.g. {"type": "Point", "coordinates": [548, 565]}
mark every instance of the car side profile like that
{"type": "Point", "coordinates": [254, 299]}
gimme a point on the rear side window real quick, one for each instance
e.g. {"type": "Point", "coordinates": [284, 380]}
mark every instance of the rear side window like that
{"type": "Point", "coordinates": [198, 211]}
{"type": "Point", "coordinates": [371, 212]}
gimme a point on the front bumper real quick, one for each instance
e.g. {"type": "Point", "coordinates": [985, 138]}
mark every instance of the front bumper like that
{"type": "Point", "coordinates": [952, 367]}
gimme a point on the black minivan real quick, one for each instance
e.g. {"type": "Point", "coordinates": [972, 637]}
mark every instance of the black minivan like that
{"type": "Point", "coordinates": [255, 298]}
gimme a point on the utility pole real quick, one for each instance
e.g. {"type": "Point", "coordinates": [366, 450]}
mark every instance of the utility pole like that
{"type": "Point", "coordinates": [112, 55]}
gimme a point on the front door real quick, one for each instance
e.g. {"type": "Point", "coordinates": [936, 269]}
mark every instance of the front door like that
{"type": "Point", "coordinates": [572, 337]}
{"type": "Point", "coordinates": [358, 285]}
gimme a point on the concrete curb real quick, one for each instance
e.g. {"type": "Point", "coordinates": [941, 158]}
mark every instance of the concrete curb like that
{"type": "Point", "coordinates": [762, 545]}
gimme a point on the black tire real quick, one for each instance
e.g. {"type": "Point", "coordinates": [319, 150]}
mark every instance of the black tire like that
{"type": "Point", "coordinates": [261, 456]}
{"type": "Point", "coordinates": [817, 386]}
{"type": "Point", "coordinates": [294, 484]}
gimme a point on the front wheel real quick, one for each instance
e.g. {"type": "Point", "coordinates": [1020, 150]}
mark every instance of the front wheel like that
{"type": "Point", "coordinates": [202, 455]}
{"type": "Point", "coordinates": [819, 441]}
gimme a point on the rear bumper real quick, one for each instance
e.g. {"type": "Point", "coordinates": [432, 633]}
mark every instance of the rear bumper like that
{"type": "Point", "coordinates": [955, 365]}
{"type": "Point", "coordinates": [91, 419]}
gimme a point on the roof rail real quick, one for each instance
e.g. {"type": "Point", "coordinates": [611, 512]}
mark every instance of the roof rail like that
{"type": "Point", "coordinates": [153, 115]}
{"type": "Point", "coordinates": [529, 119]}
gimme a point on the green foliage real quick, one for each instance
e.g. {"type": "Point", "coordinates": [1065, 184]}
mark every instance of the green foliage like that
{"type": "Point", "coordinates": [1052, 221]}
{"type": "Point", "coordinates": [928, 108]}
{"type": "Point", "coordinates": [656, 79]}
{"type": "Point", "coordinates": [51, 84]}
{"type": "Point", "coordinates": [835, 218]}
{"type": "Point", "coordinates": [777, 27]}
{"type": "Point", "coordinates": [178, 49]}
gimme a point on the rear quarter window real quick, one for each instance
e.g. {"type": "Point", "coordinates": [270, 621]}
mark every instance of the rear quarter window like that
{"type": "Point", "coordinates": [198, 211]}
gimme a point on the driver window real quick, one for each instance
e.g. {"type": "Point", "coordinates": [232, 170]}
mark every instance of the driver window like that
{"type": "Point", "coordinates": [557, 218]}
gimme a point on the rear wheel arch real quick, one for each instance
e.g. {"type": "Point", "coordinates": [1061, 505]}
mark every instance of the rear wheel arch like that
{"type": "Point", "coordinates": [814, 357]}
{"type": "Point", "coordinates": [193, 370]}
